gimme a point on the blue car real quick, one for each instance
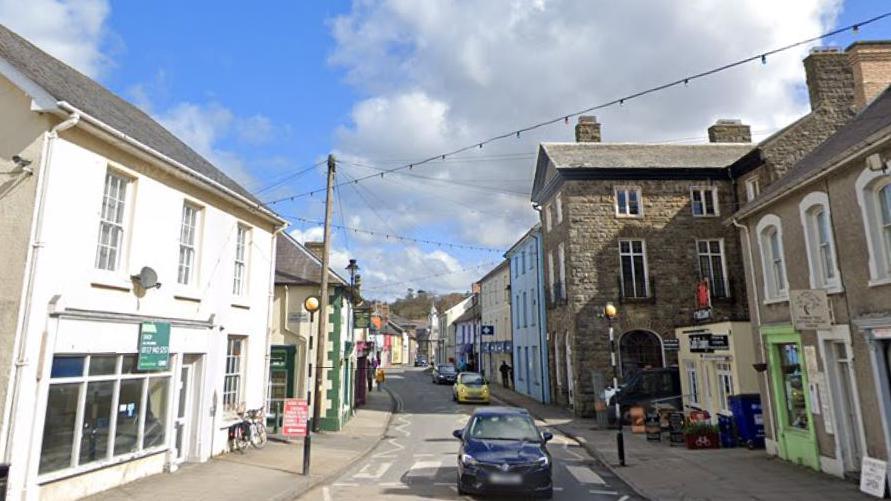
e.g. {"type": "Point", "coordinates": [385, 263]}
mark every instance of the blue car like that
{"type": "Point", "coordinates": [503, 452]}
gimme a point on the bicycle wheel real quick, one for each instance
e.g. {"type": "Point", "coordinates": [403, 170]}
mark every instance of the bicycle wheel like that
{"type": "Point", "coordinates": [258, 435]}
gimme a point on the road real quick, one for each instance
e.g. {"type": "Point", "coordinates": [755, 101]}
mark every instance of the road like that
{"type": "Point", "coordinates": [418, 457]}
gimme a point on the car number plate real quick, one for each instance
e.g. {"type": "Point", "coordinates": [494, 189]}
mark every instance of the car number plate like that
{"type": "Point", "coordinates": [506, 478]}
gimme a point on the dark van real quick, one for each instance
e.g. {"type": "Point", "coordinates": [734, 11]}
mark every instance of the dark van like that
{"type": "Point", "coordinates": [648, 387]}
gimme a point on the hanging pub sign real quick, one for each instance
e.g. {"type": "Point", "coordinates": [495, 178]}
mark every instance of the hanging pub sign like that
{"type": "Point", "coordinates": [154, 346]}
{"type": "Point", "coordinates": [703, 309]}
{"type": "Point", "coordinates": [361, 318]}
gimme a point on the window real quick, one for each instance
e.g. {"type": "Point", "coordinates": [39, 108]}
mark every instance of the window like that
{"type": "Point", "coordinates": [753, 188]}
{"type": "Point", "coordinates": [712, 266]}
{"type": "Point", "coordinates": [692, 382]}
{"type": "Point", "coordinates": [561, 261]}
{"type": "Point", "coordinates": [628, 201]}
{"type": "Point", "coordinates": [523, 262]}
{"type": "Point", "coordinates": [99, 409]}
{"type": "Point", "coordinates": [547, 217]}
{"type": "Point", "coordinates": [525, 310]}
{"type": "Point", "coordinates": [633, 264]}
{"type": "Point", "coordinates": [774, 267]}
{"type": "Point", "coordinates": [517, 309]}
{"type": "Point", "coordinates": [240, 275]}
{"type": "Point", "coordinates": [817, 224]}
{"type": "Point", "coordinates": [551, 275]}
{"type": "Point", "coordinates": [188, 229]}
{"type": "Point", "coordinates": [704, 201]}
{"type": "Point", "coordinates": [792, 382]}
{"type": "Point", "coordinates": [874, 197]}
{"type": "Point", "coordinates": [532, 256]}
{"type": "Point", "coordinates": [534, 307]}
{"type": "Point", "coordinates": [234, 372]}
{"type": "Point", "coordinates": [558, 202]}
{"type": "Point", "coordinates": [111, 222]}
{"type": "Point", "coordinates": [725, 385]}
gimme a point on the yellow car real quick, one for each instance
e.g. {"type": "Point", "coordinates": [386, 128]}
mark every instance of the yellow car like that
{"type": "Point", "coordinates": [471, 387]}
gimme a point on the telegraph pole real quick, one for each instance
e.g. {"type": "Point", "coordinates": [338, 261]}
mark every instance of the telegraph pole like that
{"type": "Point", "coordinates": [322, 336]}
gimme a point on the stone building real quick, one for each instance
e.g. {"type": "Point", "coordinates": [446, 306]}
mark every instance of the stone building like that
{"type": "Point", "coordinates": [821, 232]}
{"type": "Point", "coordinates": [639, 225]}
{"type": "Point", "coordinates": [495, 309]}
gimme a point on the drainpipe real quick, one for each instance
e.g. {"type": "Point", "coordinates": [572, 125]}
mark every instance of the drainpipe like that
{"type": "Point", "coordinates": [757, 313]}
{"type": "Point", "coordinates": [35, 244]}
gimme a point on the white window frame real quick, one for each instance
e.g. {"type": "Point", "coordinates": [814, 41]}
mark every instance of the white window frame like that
{"type": "Point", "coordinates": [234, 370]}
{"type": "Point", "coordinates": [703, 191]}
{"type": "Point", "coordinates": [868, 186]}
{"type": "Point", "coordinates": [187, 273]}
{"type": "Point", "coordinates": [122, 206]}
{"type": "Point", "coordinates": [241, 261]}
{"type": "Point", "coordinates": [692, 382]}
{"type": "Point", "coordinates": [547, 217]}
{"type": "Point", "coordinates": [646, 267]}
{"type": "Point", "coordinates": [626, 210]}
{"type": "Point", "coordinates": [709, 255]}
{"type": "Point", "coordinates": [724, 371]}
{"type": "Point", "coordinates": [551, 276]}
{"type": "Point", "coordinates": [558, 204]}
{"type": "Point", "coordinates": [773, 291]}
{"type": "Point", "coordinates": [753, 188]}
{"type": "Point", "coordinates": [820, 277]}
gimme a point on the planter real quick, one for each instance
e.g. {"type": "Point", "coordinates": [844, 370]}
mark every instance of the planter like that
{"type": "Point", "coordinates": [702, 441]}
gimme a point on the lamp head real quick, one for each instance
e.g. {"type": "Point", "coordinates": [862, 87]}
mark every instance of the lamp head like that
{"type": "Point", "coordinates": [311, 304]}
{"type": "Point", "coordinates": [610, 310]}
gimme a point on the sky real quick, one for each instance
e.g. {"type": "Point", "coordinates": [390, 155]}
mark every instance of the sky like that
{"type": "Point", "coordinates": [266, 90]}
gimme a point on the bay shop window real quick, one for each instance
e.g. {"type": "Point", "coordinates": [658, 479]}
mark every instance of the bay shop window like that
{"type": "Point", "coordinates": [100, 411]}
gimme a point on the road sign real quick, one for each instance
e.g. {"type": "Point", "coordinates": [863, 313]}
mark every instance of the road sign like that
{"type": "Point", "coordinates": [154, 346]}
{"type": "Point", "coordinates": [295, 416]}
{"type": "Point", "coordinates": [487, 330]}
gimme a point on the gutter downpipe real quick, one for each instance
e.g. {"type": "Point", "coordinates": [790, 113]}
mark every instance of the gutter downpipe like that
{"type": "Point", "coordinates": [35, 244]}
{"type": "Point", "coordinates": [757, 313]}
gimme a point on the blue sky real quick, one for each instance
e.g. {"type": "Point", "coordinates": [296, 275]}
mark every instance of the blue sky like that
{"type": "Point", "coordinates": [265, 89]}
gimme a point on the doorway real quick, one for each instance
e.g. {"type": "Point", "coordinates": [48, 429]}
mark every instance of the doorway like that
{"type": "Point", "coordinates": [185, 420]}
{"type": "Point", "coordinates": [840, 371]}
{"type": "Point", "coordinates": [639, 349]}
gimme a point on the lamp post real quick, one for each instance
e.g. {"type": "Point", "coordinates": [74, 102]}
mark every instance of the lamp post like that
{"type": "Point", "coordinates": [610, 312]}
{"type": "Point", "coordinates": [312, 305]}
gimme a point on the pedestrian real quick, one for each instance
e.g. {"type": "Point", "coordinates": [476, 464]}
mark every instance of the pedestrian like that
{"type": "Point", "coordinates": [379, 377]}
{"type": "Point", "coordinates": [505, 371]}
{"type": "Point", "coordinates": [369, 372]}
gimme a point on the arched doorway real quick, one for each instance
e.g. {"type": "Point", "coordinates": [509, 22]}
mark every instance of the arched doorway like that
{"type": "Point", "coordinates": [639, 349]}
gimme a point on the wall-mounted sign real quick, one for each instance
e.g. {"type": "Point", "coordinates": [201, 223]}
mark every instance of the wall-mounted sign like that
{"type": "Point", "coordinates": [881, 333]}
{"type": "Point", "coordinates": [295, 318]}
{"type": "Point", "coordinates": [703, 309]}
{"type": "Point", "coordinates": [487, 330]}
{"type": "Point", "coordinates": [810, 309]}
{"type": "Point", "coordinates": [708, 342]}
{"type": "Point", "coordinates": [154, 346]}
{"type": "Point", "coordinates": [671, 344]}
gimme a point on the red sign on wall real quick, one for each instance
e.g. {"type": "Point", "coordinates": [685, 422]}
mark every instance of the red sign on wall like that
{"type": "Point", "coordinates": [295, 416]}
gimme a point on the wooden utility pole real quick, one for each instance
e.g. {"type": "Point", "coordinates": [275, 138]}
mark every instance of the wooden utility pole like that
{"type": "Point", "coordinates": [322, 337]}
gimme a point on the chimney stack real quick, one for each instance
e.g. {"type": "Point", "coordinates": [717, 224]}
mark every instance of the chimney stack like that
{"type": "Point", "coordinates": [830, 81]}
{"type": "Point", "coordinates": [315, 248]}
{"type": "Point", "coordinates": [729, 130]}
{"type": "Point", "coordinates": [871, 66]}
{"type": "Point", "coordinates": [587, 130]}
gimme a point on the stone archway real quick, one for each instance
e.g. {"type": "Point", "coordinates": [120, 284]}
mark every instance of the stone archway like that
{"type": "Point", "coordinates": [639, 349]}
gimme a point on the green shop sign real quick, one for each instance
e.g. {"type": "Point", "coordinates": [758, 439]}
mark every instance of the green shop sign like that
{"type": "Point", "coordinates": [361, 319]}
{"type": "Point", "coordinates": [154, 346]}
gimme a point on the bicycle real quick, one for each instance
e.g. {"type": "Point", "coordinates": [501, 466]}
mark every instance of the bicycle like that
{"type": "Point", "coordinates": [250, 430]}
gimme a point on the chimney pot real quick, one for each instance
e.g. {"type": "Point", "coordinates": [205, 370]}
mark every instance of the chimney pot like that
{"type": "Point", "coordinates": [587, 130]}
{"type": "Point", "coordinates": [729, 130]}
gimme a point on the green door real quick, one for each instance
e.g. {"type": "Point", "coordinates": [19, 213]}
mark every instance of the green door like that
{"type": "Point", "coordinates": [281, 383]}
{"type": "Point", "coordinates": [796, 437]}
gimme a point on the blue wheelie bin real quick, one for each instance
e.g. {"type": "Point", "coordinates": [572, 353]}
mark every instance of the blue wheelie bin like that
{"type": "Point", "coordinates": [727, 430]}
{"type": "Point", "coordinates": [749, 420]}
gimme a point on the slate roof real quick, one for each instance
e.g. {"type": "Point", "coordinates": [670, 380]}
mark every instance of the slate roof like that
{"type": "Point", "coordinates": [64, 83]}
{"type": "Point", "coordinates": [295, 265]}
{"type": "Point", "coordinates": [849, 138]}
{"type": "Point", "coordinates": [636, 155]}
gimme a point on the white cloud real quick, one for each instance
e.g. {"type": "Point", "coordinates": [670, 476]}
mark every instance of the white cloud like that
{"type": "Point", "coordinates": [439, 75]}
{"type": "Point", "coordinates": [255, 130]}
{"type": "Point", "coordinates": [313, 234]}
{"type": "Point", "coordinates": [72, 31]}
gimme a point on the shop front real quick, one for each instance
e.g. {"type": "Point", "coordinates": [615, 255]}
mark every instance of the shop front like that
{"type": "Point", "coordinates": [715, 362]}
{"type": "Point", "coordinates": [795, 432]}
{"type": "Point", "coordinates": [281, 383]}
{"type": "Point", "coordinates": [877, 331]}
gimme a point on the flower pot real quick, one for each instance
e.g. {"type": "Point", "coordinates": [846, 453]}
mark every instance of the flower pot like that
{"type": "Point", "coordinates": [702, 441]}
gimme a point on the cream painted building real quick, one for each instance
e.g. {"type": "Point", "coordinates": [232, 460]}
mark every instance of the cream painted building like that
{"type": "Point", "coordinates": [136, 292]}
{"type": "Point", "coordinates": [495, 303]}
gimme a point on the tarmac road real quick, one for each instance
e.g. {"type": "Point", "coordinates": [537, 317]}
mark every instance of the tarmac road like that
{"type": "Point", "coordinates": [417, 459]}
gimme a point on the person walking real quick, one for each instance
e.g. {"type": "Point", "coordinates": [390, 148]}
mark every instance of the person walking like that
{"type": "Point", "coordinates": [379, 377]}
{"type": "Point", "coordinates": [505, 374]}
{"type": "Point", "coordinates": [369, 372]}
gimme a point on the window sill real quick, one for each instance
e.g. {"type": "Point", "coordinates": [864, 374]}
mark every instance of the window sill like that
{"type": "Point", "coordinates": [879, 282]}
{"type": "Point", "coordinates": [776, 300]}
{"type": "Point", "coordinates": [98, 465]}
{"type": "Point", "coordinates": [835, 289]}
{"type": "Point", "coordinates": [187, 294]}
{"type": "Point", "coordinates": [706, 216]}
{"type": "Point", "coordinates": [629, 216]}
{"type": "Point", "coordinates": [111, 281]}
{"type": "Point", "coordinates": [240, 304]}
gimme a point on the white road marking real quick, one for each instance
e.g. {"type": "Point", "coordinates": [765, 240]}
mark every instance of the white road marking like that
{"type": "Point", "coordinates": [390, 484]}
{"type": "Point", "coordinates": [364, 473]}
{"type": "Point", "coordinates": [606, 493]}
{"type": "Point", "coordinates": [584, 475]}
{"type": "Point", "coordinates": [571, 452]}
{"type": "Point", "coordinates": [624, 498]}
{"type": "Point", "coordinates": [557, 489]}
{"type": "Point", "coordinates": [440, 484]}
{"type": "Point", "coordinates": [423, 465]}
{"type": "Point", "coordinates": [345, 484]}
{"type": "Point", "coordinates": [326, 493]}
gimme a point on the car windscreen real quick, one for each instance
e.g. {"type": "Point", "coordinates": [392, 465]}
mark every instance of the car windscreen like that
{"type": "Point", "coordinates": [504, 427]}
{"type": "Point", "coordinates": [447, 369]}
{"type": "Point", "coordinates": [471, 379]}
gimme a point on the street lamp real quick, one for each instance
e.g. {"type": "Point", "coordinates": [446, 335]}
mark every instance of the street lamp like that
{"type": "Point", "coordinates": [610, 312]}
{"type": "Point", "coordinates": [311, 304]}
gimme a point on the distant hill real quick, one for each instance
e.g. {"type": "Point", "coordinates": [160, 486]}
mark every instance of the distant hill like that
{"type": "Point", "coordinates": [418, 305]}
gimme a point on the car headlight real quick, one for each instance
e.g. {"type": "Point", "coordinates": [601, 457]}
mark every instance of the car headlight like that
{"type": "Point", "coordinates": [542, 461]}
{"type": "Point", "coordinates": [467, 460]}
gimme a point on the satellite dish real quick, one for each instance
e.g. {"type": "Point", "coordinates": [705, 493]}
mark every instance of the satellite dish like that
{"type": "Point", "coordinates": [147, 278]}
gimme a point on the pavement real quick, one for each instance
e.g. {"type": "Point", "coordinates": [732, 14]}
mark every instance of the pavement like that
{"type": "Point", "coordinates": [272, 472]}
{"type": "Point", "coordinates": [418, 458]}
{"type": "Point", "coordinates": [655, 470]}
